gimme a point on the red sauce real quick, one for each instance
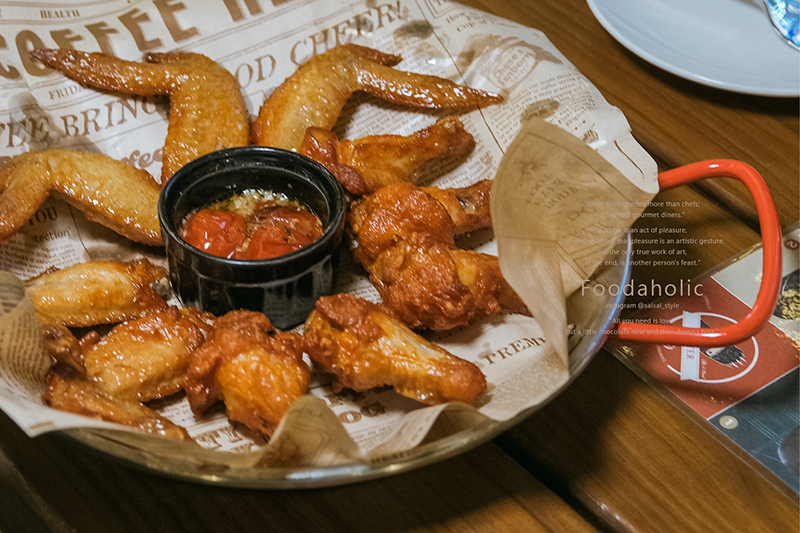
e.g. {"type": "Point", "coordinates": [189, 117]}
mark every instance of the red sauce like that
{"type": "Point", "coordinates": [216, 232]}
{"type": "Point", "coordinates": [268, 230]}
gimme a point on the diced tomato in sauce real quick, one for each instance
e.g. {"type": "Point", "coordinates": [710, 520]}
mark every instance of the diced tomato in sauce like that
{"type": "Point", "coordinates": [281, 230]}
{"type": "Point", "coordinates": [275, 230]}
{"type": "Point", "coordinates": [216, 232]}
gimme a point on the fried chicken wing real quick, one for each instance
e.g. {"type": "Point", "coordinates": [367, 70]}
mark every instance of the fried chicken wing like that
{"type": "Point", "coordinates": [61, 344]}
{"type": "Point", "coordinates": [255, 369]}
{"type": "Point", "coordinates": [315, 94]}
{"type": "Point", "coordinates": [98, 292]}
{"type": "Point", "coordinates": [364, 346]}
{"type": "Point", "coordinates": [365, 165]}
{"type": "Point", "coordinates": [393, 213]}
{"type": "Point", "coordinates": [77, 395]}
{"type": "Point", "coordinates": [468, 207]}
{"type": "Point", "coordinates": [321, 145]}
{"type": "Point", "coordinates": [147, 358]}
{"type": "Point", "coordinates": [207, 110]}
{"type": "Point", "coordinates": [481, 274]}
{"type": "Point", "coordinates": [435, 286]}
{"type": "Point", "coordinates": [402, 209]}
{"type": "Point", "coordinates": [405, 238]}
{"type": "Point", "coordinates": [108, 191]}
{"type": "Point", "coordinates": [110, 377]}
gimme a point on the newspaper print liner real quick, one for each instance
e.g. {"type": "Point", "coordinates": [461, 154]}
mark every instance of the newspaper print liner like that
{"type": "Point", "coordinates": [436, 37]}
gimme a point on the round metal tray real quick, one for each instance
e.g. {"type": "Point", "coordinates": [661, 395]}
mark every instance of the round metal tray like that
{"type": "Point", "coordinates": [591, 315]}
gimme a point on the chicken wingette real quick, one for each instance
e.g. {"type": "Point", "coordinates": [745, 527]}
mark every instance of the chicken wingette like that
{"type": "Point", "coordinates": [363, 345]}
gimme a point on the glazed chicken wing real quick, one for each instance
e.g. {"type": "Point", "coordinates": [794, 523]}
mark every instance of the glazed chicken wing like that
{"type": "Point", "coordinates": [108, 191]}
{"type": "Point", "coordinates": [322, 146]}
{"type": "Point", "coordinates": [395, 212]}
{"type": "Point", "coordinates": [467, 207]}
{"type": "Point", "coordinates": [364, 346]}
{"type": "Point", "coordinates": [207, 111]}
{"type": "Point", "coordinates": [255, 369]}
{"type": "Point", "coordinates": [435, 286]}
{"type": "Point", "coordinates": [147, 358]}
{"type": "Point", "coordinates": [405, 238]}
{"type": "Point", "coordinates": [135, 362]}
{"type": "Point", "coordinates": [87, 294]}
{"type": "Point", "coordinates": [365, 165]}
{"type": "Point", "coordinates": [77, 395]}
{"type": "Point", "coordinates": [98, 292]}
{"type": "Point", "coordinates": [315, 94]}
{"type": "Point", "coordinates": [400, 210]}
{"type": "Point", "coordinates": [61, 344]}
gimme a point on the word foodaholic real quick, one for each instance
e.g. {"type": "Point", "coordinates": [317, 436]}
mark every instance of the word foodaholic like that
{"type": "Point", "coordinates": [653, 289]}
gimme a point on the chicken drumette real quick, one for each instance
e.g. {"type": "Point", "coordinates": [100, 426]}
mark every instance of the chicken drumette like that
{"type": "Point", "coordinates": [255, 369]}
{"type": "Point", "coordinates": [405, 238]}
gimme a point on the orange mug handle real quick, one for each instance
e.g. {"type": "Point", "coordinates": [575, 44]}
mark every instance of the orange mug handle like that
{"type": "Point", "coordinates": [772, 263]}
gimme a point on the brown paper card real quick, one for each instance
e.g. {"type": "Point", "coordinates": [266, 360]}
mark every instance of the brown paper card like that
{"type": "Point", "coordinates": [557, 208]}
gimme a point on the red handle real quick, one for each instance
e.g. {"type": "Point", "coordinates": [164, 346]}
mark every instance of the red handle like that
{"type": "Point", "coordinates": [771, 278]}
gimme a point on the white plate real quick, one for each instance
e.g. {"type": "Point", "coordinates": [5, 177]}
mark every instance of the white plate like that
{"type": "Point", "coordinates": [730, 44]}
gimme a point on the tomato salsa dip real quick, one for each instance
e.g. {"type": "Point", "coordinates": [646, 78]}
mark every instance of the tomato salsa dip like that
{"type": "Point", "coordinates": [252, 225]}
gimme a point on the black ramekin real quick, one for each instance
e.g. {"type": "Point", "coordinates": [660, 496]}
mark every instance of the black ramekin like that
{"type": "Point", "coordinates": [284, 288]}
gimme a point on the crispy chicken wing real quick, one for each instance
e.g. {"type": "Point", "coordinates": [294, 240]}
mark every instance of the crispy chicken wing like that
{"type": "Point", "coordinates": [147, 358]}
{"type": "Point", "coordinates": [74, 394]}
{"type": "Point", "coordinates": [435, 286]}
{"type": "Point", "coordinates": [108, 191]}
{"type": "Point", "coordinates": [315, 94]}
{"type": "Point", "coordinates": [405, 238]}
{"type": "Point", "coordinates": [110, 377]}
{"type": "Point", "coordinates": [364, 346]}
{"type": "Point", "coordinates": [98, 292]}
{"type": "Point", "coordinates": [468, 207]}
{"type": "Point", "coordinates": [207, 111]}
{"type": "Point", "coordinates": [61, 344]}
{"type": "Point", "coordinates": [399, 210]}
{"type": "Point", "coordinates": [86, 294]}
{"type": "Point", "coordinates": [364, 165]}
{"type": "Point", "coordinates": [255, 369]}
{"type": "Point", "coordinates": [321, 145]}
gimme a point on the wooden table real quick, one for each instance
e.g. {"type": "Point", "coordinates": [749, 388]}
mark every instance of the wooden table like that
{"type": "Point", "coordinates": [609, 454]}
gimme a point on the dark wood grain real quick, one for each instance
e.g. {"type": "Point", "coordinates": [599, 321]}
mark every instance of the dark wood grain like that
{"type": "Point", "coordinates": [676, 120]}
{"type": "Point", "coordinates": [611, 442]}
{"type": "Point", "coordinates": [642, 465]}
{"type": "Point", "coordinates": [480, 491]}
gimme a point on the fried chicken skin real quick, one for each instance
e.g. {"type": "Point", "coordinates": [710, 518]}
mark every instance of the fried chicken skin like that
{"type": "Point", "coordinates": [405, 239]}
{"type": "Point", "coordinates": [87, 294]}
{"type": "Point", "coordinates": [364, 346]}
{"type": "Point", "coordinates": [147, 358]}
{"type": "Point", "coordinates": [468, 207]}
{"type": "Point", "coordinates": [108, 191]}
{"type": "Point", "coordinates": [98, 292]}
{"type": "Point", "coordinates": [365, 165]}
{"type": "Point", "coordinates": [430, 285]}
{"type": "Point", "coordinates": [255, 369]}
{"type": "Point", "coordinates": [111, 377]}
{"type": "Point", "coordinates": [74, 394]}
{"type": "Point", "coordinates": [61, 344]}
{"type": "Point", "coordinates": [315, 94]}
{"type": "Point", "coordinates": [399, 210]}
{"type": "Point", "coordinates": [207, 110]}
{"type": "Point", "coordinates": [322, 145]}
